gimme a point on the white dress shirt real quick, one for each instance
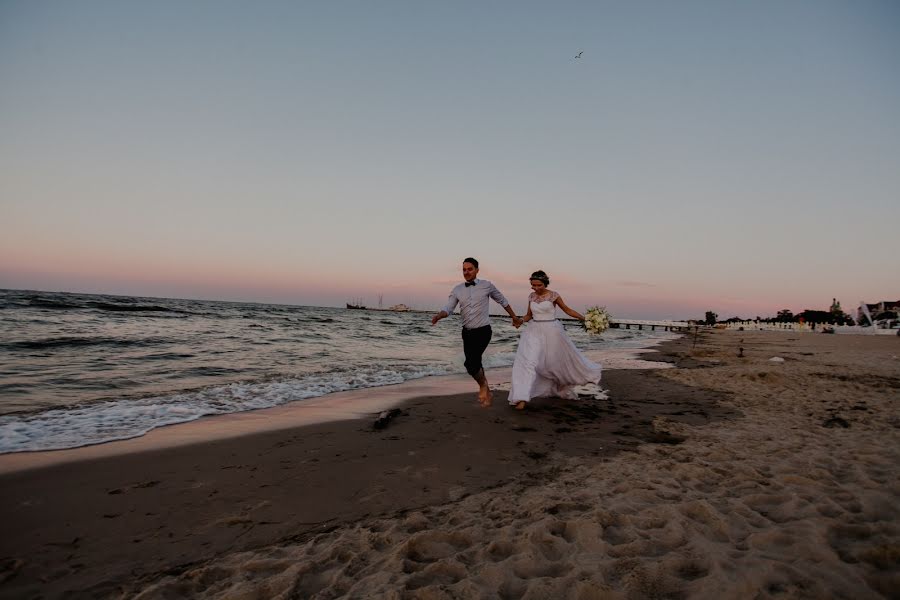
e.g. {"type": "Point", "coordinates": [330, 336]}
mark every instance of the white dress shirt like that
{"type": "Point", "coordinates": [474, 305]}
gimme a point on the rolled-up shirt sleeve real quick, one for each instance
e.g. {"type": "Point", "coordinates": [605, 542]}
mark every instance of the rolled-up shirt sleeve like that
{"type": "Point", "coordinates": [498, 297]}
{"type": "Point", "coordinates": [452, 301]}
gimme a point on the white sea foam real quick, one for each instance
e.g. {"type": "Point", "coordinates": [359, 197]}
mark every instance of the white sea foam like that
{"type": "Point", "coordinates": [122, 419]}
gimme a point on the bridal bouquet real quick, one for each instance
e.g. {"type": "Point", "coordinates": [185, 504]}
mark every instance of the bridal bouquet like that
{"type": "Point", "coordinates": [596, 319]}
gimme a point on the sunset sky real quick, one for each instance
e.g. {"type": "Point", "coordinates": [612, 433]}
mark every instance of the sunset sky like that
{"type": "Point", "coordinates": [740, 157]}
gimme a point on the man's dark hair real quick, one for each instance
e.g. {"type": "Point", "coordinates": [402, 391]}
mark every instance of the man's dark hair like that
{"type": "Point", "coordinates": [471, 260]}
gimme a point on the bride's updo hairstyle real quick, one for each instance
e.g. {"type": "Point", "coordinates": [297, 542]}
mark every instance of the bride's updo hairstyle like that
{"type": "Point", "coordinates": [540, 276]}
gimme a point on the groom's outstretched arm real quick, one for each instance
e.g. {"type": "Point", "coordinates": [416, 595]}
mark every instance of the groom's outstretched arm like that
{"type": "Point", "coordinates": [452, 301]}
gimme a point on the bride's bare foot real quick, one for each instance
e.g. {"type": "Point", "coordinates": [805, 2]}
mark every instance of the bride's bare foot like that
{"type": "Point", "coordinates": [520, 405]}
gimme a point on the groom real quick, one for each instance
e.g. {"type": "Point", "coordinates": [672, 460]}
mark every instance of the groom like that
{"type": "Point", "coordinates": [472, 296]}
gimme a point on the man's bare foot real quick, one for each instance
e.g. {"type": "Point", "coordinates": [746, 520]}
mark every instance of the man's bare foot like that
{"type": "Point", "coordinates": [520, 405]}
{"type": "Point", "coordinates": [485, 397]}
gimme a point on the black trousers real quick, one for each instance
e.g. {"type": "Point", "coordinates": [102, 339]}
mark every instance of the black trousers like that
{"type": "Point", "coordinates": [475, 342]}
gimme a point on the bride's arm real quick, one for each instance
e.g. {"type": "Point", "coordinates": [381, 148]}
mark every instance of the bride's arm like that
{"type": "Point", "coordinates": [572, 313]}
{"type": "Point", "coordinates": [528, 316]}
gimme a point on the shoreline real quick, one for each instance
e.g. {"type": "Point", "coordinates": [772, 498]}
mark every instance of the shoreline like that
{"type": "Point", "coordinates": [358, 403]}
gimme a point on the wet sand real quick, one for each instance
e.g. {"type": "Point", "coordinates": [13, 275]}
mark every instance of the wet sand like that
{"type": "Point", "coordinates": [728, 477]}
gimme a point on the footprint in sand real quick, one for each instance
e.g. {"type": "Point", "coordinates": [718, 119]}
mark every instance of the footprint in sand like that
{"type": "Point", "coordinates": [691, 570]}
{"type": "Point", "coordinates": [430, 546]}
{"type": "Point", "coordinates": [500, 550]}
{"type": "Point", "coordinates": [445, 572]}
{"type": "Point", "coordinates": [529, 569]}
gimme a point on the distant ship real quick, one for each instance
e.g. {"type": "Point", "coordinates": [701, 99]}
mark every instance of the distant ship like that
{"type": "Point", "coordinates": [358, 305]}
{"type": "Point", "coordinates": [400, 308]}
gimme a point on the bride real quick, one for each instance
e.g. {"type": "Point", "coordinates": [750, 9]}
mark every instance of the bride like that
{"type": "Point", "coordinates": [547, 362]}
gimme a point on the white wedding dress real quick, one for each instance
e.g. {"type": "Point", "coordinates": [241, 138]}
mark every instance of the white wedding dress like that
{"type": "Point", "coordinates": [547, 362]}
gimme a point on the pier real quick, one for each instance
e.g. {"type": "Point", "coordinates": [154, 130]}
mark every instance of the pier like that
{"type": "Point", "coordinates": [640, 324]}
{"type": "Point", "coordinates": [622, 323]}
{"type": "Point", "coordinates": [653, 325]}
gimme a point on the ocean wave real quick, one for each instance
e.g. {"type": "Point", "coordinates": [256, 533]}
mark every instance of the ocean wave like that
{"type": "Point", "coordinates": [50, 303]}
{"type": "Point", "coordinates": [208, 371]}
{"type": "Point", "coordinates": [123, 305]}
{"type": "Point", "coordinates": [413, 330]}
{"type": "Point", "coordinates": [115, 307]}
{"type": "Point", "coordinates": [493, 360]}
{"type": "Point", "coordinates": [76, 342]}
{"type": "Point", "coordinates": [167, 356]}
{"type": "Point", "coordinates": [96, 423]}
{"type": "Point", "coordinates": [310, 335]}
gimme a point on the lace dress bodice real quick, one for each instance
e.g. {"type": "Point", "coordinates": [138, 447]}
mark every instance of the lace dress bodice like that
{"type": "Point", "coordinates": [543, 308]}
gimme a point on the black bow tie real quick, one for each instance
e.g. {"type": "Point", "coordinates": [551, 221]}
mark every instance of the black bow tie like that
{"type": "Point", "coordinates": [468, 283]}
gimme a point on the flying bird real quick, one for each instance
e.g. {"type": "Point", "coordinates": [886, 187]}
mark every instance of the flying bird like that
{"type": "Point", "coordinates": [580, 52]}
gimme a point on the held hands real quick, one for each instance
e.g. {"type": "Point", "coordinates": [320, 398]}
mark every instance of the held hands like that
{"type": "Point", "coordinates": [517, 322]}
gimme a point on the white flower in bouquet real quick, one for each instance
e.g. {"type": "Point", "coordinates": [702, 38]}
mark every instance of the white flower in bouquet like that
{"type": "Point", "coordinates": [596, 320]}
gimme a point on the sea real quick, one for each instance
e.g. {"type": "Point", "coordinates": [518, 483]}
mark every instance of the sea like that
{"type": "Point", "coordinates": [81, 369]}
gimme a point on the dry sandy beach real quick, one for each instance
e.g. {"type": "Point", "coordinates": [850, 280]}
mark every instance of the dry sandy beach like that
{"type": "Point", "coordinates": [728, 477]}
